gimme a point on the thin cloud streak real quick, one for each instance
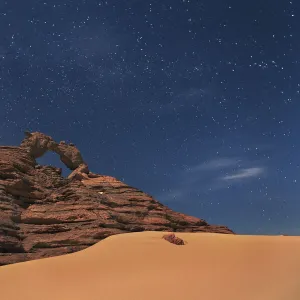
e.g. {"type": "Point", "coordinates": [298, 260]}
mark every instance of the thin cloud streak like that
{"type": "Point", "coordinates": [215, 164]}
{"type": "Point", "coordinates": [245, 173]}
{"type": "Point", "coordinates": [209, 176]}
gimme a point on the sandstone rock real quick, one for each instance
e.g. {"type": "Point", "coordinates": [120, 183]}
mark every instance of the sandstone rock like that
{"type": "Point", "coordinates": [173, 239]}
{"type": "Point", "coordinates": [36, 144]}
{"type": "Point", "coordinates": [43, 214]}
{"type": "Point", "coordinates": [80, 173]}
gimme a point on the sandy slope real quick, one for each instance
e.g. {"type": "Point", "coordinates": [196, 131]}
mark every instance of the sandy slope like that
{"type": "Point", "coordinates": [142, 266]}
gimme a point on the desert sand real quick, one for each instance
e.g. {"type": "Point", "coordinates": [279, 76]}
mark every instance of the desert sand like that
{"type": "Point", "coordinates": [142, 266]}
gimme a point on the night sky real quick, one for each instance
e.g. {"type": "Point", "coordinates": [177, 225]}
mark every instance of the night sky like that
{"type": "Point", "coordinates": [195, 102]}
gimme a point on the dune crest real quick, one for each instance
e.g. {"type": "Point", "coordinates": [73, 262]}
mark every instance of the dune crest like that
{"type": "Point", "coordinates": [144, 266]}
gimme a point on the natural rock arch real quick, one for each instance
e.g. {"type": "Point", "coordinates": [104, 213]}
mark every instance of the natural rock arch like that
{"type": "Point", "coordinates": [37, 144]}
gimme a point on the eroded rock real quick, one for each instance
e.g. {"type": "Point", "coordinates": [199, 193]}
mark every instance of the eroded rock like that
{"type": "Point", "coordinates": [43, 214]}
{"type": "Point", "coordinates": [37, 144]}
{"type": "Point", "coordinates": [171, 238]}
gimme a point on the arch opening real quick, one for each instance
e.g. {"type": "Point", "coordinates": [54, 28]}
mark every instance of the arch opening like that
{"type": "Point", "coordinates": [52, 159]}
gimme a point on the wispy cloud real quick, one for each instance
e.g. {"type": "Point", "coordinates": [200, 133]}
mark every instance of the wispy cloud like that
{"type": "Point", "coordinates": [215, 164]}
{"type": "Point", "coordinates": [245, 173]}
{"type": "Point", "coordinates": [212, 175]}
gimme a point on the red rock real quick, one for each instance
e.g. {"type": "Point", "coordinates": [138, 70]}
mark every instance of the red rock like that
{"type": "Point", "coordinates": [173, 239]}
{"type": "Point", "coordinates": [37, 144]}
{"type": "Point", "coordinates": [43, 214]}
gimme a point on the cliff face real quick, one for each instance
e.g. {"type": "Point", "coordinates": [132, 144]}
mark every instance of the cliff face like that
{"type": "Point", "coordinates": [43, 214]}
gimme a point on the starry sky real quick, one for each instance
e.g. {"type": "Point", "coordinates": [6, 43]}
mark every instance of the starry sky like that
{"type": "Point", "coordinates": [194, 102]}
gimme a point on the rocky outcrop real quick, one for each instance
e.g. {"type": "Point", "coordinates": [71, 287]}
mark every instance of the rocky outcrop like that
{"type": "Point", "coordinates": [36, 144]}
{"type": "Point", "coordinates": [171, 238]}
{"type": "Point", "coordinates": [43, 214]}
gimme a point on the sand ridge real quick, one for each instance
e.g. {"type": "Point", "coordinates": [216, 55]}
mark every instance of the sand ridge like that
{"type": "Point", "coordinates": [143, 266]}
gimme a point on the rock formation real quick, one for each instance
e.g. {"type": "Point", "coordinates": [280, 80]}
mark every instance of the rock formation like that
{"type": "Point", "coordinates": [173, 239]}
{"type": "Point", "coordinates": [36, 144]}
{"type": "Point", "coordinates": [43, 214]}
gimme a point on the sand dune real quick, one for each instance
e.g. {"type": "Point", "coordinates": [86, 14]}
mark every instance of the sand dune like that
{"type": "Point", "coordinates": [142, 266]}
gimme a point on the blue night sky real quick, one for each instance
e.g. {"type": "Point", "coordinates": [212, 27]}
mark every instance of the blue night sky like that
{"type": "Point", "coordinates": [195, 102]}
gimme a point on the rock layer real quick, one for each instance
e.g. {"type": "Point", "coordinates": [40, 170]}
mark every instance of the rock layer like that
{"type": "Point", "coordinates": [43, 214]}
